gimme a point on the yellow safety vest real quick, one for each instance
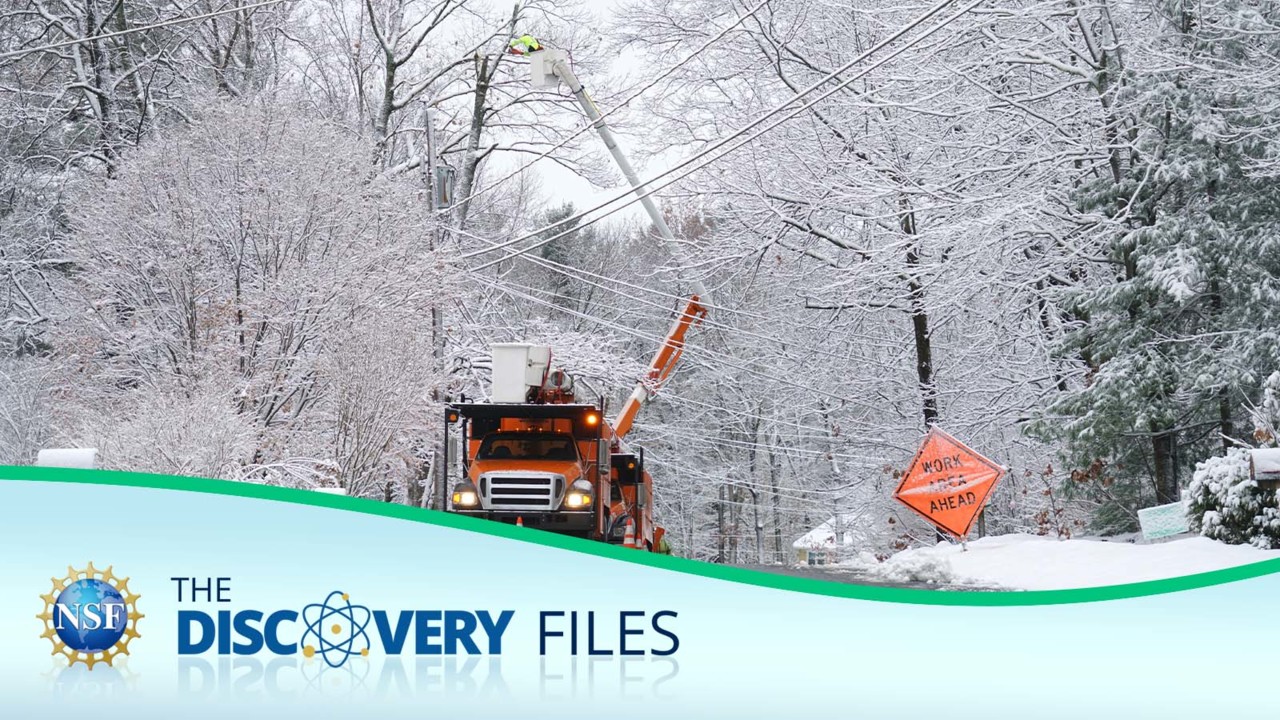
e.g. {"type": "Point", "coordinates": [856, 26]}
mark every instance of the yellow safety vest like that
{"type": "Point", "coordinates": [526, 44]}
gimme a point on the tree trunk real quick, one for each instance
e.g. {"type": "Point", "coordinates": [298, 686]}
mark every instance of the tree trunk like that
{"type": "Point", "coordinates": [1225, 426]}
{"type": "Point", "coordinates": [720, 525]}
{"type": "Point", "coordinates": [776, 495]}
{"type": "Point", "coordinates": [467, 178]}
{"type": "Point", "coordinates": [102, 89]}
{"type": "Point", "coordinates": [755, 506]}
{"type": "Point", "coordinates": [1162, 444]}
{"type": "Point", "coordinates": [920, 329]}
{"type": "Point", "coordinates": [920, 324]}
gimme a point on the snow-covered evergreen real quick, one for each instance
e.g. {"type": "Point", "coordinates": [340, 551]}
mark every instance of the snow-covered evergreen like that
{"type": "Point", "coordinates": [1226, 504]}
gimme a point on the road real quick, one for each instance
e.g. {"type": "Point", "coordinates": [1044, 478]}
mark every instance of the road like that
{"type": "Point", "coordinates": [853, 577]}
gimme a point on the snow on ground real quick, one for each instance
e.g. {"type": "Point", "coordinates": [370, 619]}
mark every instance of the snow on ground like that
{"type": "Point", "coordinates": [1030, 562]}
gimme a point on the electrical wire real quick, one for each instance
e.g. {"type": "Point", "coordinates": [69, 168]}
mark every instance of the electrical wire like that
{"type": "Point", "coordinates": [802, 495]}
{"type": "Point", "coordinates": [667, 392]}
{"type": "Point", "coordinates": [706, 321]}
{"type": "Point", "coordinates": [575, 273]}
{"type": "Point", "coordinates": [641, 192]}
{"type": "Point", "coordinates": [721, 358]}
{"type": "Point", "coordinates": [128, 31]}
{"type": "Point", "coordinates": [621, 104]}
{"type": "Point", "coordinates": [663, 430]}
{"type": "Point", "coordinates": [672, 396]}
{"type": "Point", "coordinates": [727, 441]}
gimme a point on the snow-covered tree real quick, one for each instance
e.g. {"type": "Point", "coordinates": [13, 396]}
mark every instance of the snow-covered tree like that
{"type": "Point", "coordinates": [1170, 330]}
{"type": "Point", "coordinates": [253, 272]}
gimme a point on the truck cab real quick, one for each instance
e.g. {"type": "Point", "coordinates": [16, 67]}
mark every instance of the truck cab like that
{"type": "Point", "coordinates": [538, 465]}
{"type": "Point", "coordinates": [535, 456]}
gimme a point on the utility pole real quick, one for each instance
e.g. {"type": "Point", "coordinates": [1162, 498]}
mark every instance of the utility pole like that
{"type": "Point", "coordinates": [431, 177]}
{"type": "Point", "coordinates": [434, 186]}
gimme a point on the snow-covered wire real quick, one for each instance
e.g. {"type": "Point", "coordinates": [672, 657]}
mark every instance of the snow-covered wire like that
{"type": "Point", "coordinates": [676, 397]}
{"type": "Point", "coordinates": [819, 433]}
{"type": "Point", "coordinates": [699, 160]}
{"type": "Point", "coordinates": [663, 430]}
{"type": "Point", "coordinates": [603, 116]}
{"type": "Point", "coordinates": [578, 273]}
{"type": "Point", "coordinates": [142, 28]}
{"type": "Point", "coordinates": [706, 321]}
{"type": "Point", "coordinates": [722, 358]}
{"type": "Point", "coordinates": [783, 491]}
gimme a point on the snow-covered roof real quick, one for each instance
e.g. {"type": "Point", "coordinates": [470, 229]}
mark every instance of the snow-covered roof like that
{"type": "Point", "coordinates": [827, 536]}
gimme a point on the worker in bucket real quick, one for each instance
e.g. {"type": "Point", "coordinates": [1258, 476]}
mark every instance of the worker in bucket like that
{"type": "Point", "coordinates": [524, 45]}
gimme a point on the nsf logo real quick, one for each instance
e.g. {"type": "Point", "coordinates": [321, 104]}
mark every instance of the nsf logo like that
{"type": "Point", "coordinates": [90, 616]}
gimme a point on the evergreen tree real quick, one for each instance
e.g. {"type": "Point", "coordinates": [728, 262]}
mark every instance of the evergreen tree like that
{"type": "Point", "coordinates": [1175, 336]}
{"type": "Point", "coordinates": [563, 250]}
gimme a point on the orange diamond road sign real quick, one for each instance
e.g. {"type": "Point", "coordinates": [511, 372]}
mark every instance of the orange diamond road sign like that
{"type": "Point", "coordinates": [948, 483]}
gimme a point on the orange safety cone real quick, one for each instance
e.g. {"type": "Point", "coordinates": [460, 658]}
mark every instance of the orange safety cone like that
{"type": "Point", "coordinates": [519, 521]}
{"type": "Point", "coordinates": [629, 535]}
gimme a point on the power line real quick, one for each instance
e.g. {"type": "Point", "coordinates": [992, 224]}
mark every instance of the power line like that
{"type": "Point", "coordinates": [568, 271]}
{"type": "Point", "coordinates": [719, 357]}
{"type": "Point", "coordinates": [622, 104]}
{"type": "Point", "coordinates": [664, 430]}
{"type": "Point", "coordinates": [788, 492]}
{"type": "Point", "coordinates": [650, 338]}
{"type": "Point", "coordinates": [641, 192]}
{"type": "Point", "coordinates": [678, 398]}
{"type": "Point", "coordinates": [701, 163]}
{"type": "Point", "coordinates": [667, 392]}
{"type": "Point", "coordinates": [706, 321]}
{"type": "Point", "coordinates": [576, 273]}
{"type": "Point", "coordinates": [824, 435]}
{"type": "Point", "coordinates": [128, 31]}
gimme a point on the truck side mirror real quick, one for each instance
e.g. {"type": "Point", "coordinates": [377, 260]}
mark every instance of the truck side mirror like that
{"type": "Point", "coordinates": [602, 457]}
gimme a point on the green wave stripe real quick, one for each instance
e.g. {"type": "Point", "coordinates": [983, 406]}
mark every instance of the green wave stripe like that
{"type": "Point", "coordinates": [674, 564]}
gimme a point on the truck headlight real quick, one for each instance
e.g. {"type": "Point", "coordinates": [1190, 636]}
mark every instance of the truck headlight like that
{"type": "Point", "coordinates": [579, 495]}
{"type": "Point", "coordinates": [465, 495]}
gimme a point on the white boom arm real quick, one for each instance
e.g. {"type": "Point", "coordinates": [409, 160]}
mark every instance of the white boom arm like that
{"type": "Point", "coordinates": [549, 66]}
{"type": "Point", "coordinates": [550, 63]}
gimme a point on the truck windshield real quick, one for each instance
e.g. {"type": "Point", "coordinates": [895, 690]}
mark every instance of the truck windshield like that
{"type": "Point", "coordinates": [526, 446]}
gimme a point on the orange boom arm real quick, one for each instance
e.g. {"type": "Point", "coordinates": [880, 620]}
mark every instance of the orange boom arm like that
{"type": "Point", "coordinates": [664, 363]}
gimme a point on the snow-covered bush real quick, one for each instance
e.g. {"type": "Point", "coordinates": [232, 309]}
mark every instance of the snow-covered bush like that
{"type": "Point", "coordinates": [1226, 504]}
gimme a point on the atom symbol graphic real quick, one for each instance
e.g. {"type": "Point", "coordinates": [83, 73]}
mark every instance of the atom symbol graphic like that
{"type": "Point", "coordinates": [331, 620]}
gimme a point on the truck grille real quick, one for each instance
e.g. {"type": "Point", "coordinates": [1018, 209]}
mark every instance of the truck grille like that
{"type": "Point", "coordinates": [522, 493]}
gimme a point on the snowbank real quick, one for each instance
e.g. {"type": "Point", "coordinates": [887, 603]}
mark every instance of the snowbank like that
{"type": "Point", "coordinates": [1029, 562]}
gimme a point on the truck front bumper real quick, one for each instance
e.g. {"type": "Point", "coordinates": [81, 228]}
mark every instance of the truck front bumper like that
{"type": "Point", "coordinates": [574, 522]}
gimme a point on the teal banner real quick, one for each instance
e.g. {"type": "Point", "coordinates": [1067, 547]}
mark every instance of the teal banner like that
{"type": "Point", "coordinates": [140, 596]}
